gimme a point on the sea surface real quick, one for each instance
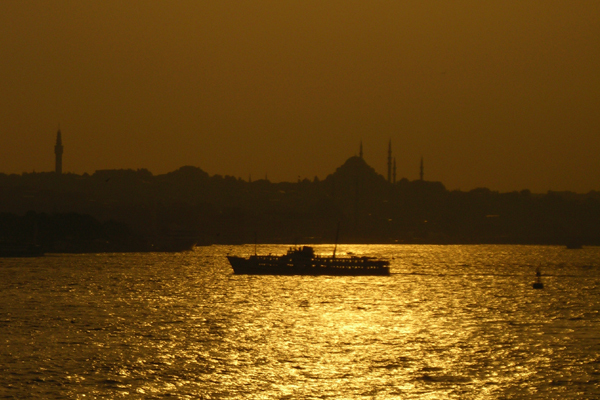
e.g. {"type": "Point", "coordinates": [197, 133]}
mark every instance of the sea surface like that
{"type": "Point", "coordinates": [451, 322]}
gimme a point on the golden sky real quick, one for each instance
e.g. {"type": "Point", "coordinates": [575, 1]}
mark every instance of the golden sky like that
{"type": "Point", "coordinates": [502, 94]}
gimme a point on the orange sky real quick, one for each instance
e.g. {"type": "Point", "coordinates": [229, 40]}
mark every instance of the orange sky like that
{"type": "Point", "coordinates": [504, 95]}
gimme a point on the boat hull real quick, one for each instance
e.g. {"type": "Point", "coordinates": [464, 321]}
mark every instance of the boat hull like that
{"type": "Point", "coordinates": [264, 265]}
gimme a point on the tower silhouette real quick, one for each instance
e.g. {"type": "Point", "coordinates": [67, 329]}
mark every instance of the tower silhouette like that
{"type": "Point", "coordinates": [58, 151]}
{"type": "Point", "coordinates": [389, 176]}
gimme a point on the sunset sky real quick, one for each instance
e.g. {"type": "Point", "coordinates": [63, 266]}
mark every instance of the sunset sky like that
{"type": "Point", "coordinates": [503, 94]}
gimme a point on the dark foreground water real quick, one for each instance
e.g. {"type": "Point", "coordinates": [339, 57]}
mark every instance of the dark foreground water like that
{"type": "Point", "coordinates": [451, 322]}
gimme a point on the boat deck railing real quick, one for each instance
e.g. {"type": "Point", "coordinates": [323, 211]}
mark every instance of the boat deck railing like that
{"type": "Point", "coordinates": [323, 262]}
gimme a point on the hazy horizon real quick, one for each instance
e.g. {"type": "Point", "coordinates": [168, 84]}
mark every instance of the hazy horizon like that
{"type": "Point", "coordinates": [504, 96]}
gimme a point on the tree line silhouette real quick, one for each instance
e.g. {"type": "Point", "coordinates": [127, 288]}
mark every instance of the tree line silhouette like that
{"type": "Point", "coordinates": [121, 210]}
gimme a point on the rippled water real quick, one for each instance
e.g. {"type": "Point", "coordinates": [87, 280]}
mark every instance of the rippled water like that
{"type": "Point", "coordinates": [451, 322]}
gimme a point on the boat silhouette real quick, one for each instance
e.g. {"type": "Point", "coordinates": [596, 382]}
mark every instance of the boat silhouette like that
{"type": "Point", "coordinates": [304, 261]}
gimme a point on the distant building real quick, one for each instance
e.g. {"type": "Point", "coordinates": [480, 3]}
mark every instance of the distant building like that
{"type": "Point", "coordinates": [58, 151]}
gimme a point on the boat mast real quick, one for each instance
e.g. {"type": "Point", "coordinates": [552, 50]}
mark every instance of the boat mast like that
{"type": "Point", "coordinates": [337, 234]}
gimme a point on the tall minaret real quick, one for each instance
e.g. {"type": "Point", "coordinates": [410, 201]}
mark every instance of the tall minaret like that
{"type": "Point", "coordinates": [390, 161]}
{"type": "Point", "coordinates": [58, 151]}
{"type": "Point", "coordinates": [421, 173]}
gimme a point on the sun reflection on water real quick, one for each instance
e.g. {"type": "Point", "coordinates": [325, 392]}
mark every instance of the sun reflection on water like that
{"type": "Point", "coordinates": [451, 322]}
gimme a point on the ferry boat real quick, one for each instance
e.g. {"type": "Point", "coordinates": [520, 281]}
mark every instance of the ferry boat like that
{"type": "Point", "coordinates": [303, 261]}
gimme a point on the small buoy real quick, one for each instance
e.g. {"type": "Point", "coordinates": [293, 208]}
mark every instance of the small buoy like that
{"type": "Point", "coordinates": [538, 283]}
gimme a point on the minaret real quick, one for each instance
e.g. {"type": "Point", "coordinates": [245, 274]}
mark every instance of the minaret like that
{"type": "Point", "coordinates": [394, 181]}
{"type": "Point", "coordinates": [361, 153]}
{"type": "Point", "coordinates": [421, 173]}
{"type": "Point", "coordinates": [390, 161]}
{"type": "Point", "coordinates": [58, 151]}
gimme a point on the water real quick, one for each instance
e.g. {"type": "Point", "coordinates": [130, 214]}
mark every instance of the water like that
{"type": "Point", "coordinates": [457, 322]}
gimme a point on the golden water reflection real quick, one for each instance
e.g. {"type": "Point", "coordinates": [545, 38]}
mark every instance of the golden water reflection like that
{"type": "Point", "coordinates": [451, 322]}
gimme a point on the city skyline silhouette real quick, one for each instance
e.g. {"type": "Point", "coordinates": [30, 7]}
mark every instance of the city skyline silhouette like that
{"type": "Point", "coordinates": [503, 96]}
